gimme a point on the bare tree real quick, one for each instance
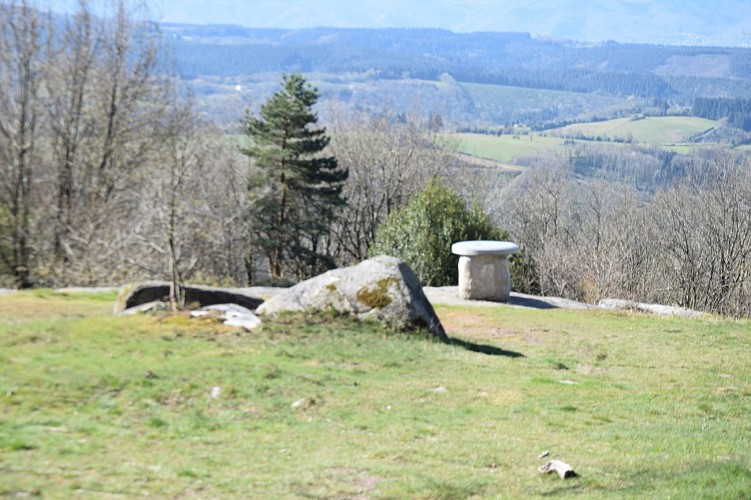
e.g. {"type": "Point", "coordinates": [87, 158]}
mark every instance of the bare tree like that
{"type": "Point", "coordinates": [198, 205]}
{"type": "Point", "coordinates": [107, 175]}
{"type": "Point", "coordinates": [182, 149]}
{"type": "Point", "coordinates": [21, 108]}
{"type": "Point", "coordinates": [108, 104]}
{"type": "Point", "coordinates": [191, 224]}
{"type": "Point", "coordinates": [582, 239]}
{"type": "Point", "coordinates": [689, 244]}
{"type": "Point", "coordinates": [535, 210]}
{"type": "Point", "coordinates": [704, 225]}
{"type": "Point", "coordinates": [225, 242]}
{"type": "Point", "coordinates": [71, 61]}
{"type": "Point", "coordinates": [389, 160]}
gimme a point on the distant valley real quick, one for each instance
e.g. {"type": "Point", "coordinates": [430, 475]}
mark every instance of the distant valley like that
{"type": "Point", "coordinates": [473, 81]}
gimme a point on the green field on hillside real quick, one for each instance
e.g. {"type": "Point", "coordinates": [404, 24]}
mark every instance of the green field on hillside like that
{"type": "Point", "coordinates": [668, 132]}
{"type": "Point", "coordinates": [507, 148]}
{"type": "Point", "coordinates": [321, 407]}
{"type": "Point", "coordinates": [660, 130]}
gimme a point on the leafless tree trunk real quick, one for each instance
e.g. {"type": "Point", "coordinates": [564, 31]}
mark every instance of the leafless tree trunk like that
{"type": "Point", "coordinates": [70, 60]}
{"type": "Point", "coordinates": [183, 152]}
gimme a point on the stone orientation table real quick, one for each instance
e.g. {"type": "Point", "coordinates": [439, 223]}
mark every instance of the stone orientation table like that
{"type": "Point", "coordinates": [483, 269]}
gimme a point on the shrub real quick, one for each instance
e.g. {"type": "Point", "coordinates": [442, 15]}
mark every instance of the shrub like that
{"type": "Point", "coordinates": [421, 233]}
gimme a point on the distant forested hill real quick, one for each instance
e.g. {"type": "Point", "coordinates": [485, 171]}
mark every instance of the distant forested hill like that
{"type": "Point", "coordinates": [366, 68]}
{"type": "Point", "coordinates": [514, 59]}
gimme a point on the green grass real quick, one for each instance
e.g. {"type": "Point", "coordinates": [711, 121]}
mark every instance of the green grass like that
{"type": "Point", "coordinates": [668, 132]}
{"type": "Point", "coordinates": [639, 406]}
{"type": "Point", "coordinates": [507, 148]}
{"type": "Point", "coordinates": [650, 130]}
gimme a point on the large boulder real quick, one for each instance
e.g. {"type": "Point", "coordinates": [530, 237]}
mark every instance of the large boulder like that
{"type": "Point", "coordinates": [135, 294]}
{"type": "Point", "coordinates": [383, 288]}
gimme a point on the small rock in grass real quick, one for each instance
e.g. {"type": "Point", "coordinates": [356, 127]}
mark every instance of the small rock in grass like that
{"type": "Point", "coordinates": [215, 392]}
{"type": "Point", "coordinates": [303, 403]}
{"type": "Point", "coordinates": [563, 469]}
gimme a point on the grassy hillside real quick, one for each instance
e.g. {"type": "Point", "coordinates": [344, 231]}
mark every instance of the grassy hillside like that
{"type": "Point", "coordinates": [671, 132]}
{"type": "Point", "coordinates": [507, 148]}
{"type": "Point", "coordinates": [321, 407]}
{"type": "Point", "coordinates": [650, 130]}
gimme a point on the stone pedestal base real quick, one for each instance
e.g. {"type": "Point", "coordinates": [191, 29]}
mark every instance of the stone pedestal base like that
{"type": "Point", "coordinates": [484, 277]}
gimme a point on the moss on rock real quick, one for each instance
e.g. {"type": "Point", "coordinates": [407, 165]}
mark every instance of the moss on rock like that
{"type": "Point", "coordinates": [377, 297]}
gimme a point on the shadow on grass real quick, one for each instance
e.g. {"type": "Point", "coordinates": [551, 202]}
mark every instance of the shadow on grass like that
{"type": "Point", "coordinates": [530, 302]}
{"type": "Point", "coordinates": [490, 350]}
{"type": "Point", "coordinates": [564, 490]}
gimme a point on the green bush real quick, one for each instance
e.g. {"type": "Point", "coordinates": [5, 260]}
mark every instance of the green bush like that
{"type": "Point", "coordinates": [421, 233]}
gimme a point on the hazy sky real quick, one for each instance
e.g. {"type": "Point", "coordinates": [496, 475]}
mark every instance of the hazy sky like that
{"type": "Point", "coordinates": [645, 21]}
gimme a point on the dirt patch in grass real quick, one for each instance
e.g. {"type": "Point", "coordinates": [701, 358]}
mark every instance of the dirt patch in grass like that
{"type": "Point", "coordinates": [471, 324]}
{"type": "Point", "coordinates": [479, 327]}
{"type": "Point", "coordinates": [363, 482]}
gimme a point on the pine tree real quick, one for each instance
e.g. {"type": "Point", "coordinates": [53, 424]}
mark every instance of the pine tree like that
{"type": "Point", "coordinates": [298, 188]}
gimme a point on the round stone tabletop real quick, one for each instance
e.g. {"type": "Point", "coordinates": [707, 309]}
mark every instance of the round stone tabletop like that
{"type": "Point", "coordinates": [484, 247]}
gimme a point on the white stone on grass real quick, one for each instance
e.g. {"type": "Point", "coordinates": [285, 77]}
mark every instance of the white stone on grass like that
{"type": "Point", "coordinates": [231, 314]}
